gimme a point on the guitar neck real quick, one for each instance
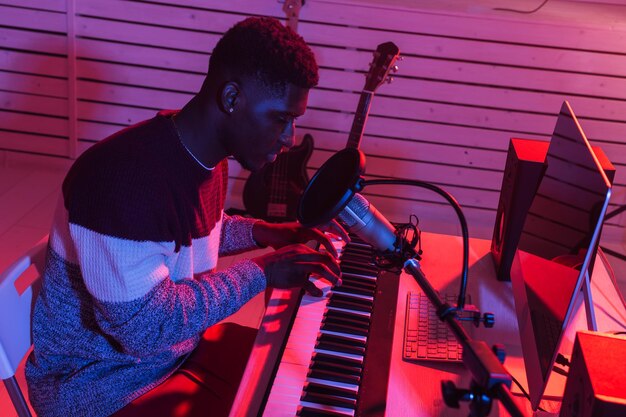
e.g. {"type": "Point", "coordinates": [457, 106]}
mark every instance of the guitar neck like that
{"type": "Point", "coordinates": [360, 117]}
{"type": "Point", "coordinates": [292, 22]}
{"type": "Point", "coordinates": [292, 12]}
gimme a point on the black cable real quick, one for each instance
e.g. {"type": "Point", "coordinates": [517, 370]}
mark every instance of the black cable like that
{"type": "Point", "coordinates": [560, 371]}
{"type": "Point", "coordinates": [562, 360]}
{"type": "Point", "coordinates": [457, 208]}
{"type": "Point", "coordinates": [409, 236]}
{"type": "Point", "coordinates": [522, 11]}
{"type": "Point", "coordinates": [521, 388]}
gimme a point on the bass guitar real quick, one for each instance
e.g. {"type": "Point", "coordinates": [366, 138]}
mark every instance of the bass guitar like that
{"type": "Point", "coordinates": [272, 193]}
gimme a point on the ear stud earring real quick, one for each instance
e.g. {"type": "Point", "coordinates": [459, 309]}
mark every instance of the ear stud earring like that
{"type": "Point", "coordinates": [230, 110]}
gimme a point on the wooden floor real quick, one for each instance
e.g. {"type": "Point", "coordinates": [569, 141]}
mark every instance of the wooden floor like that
{"type": "Point", "coordinates": [29, 189]}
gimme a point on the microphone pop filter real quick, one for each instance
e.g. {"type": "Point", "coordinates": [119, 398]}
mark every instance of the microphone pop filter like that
{"type": "Point", "coordinates": [331, 188]}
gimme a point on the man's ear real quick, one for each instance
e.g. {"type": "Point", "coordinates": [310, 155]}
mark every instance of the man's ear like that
{"type": "Point", "coordinates": [229, 97]}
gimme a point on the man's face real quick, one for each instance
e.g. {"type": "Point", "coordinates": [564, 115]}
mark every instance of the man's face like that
{"type": "Point", "coordinates": [264, 124]}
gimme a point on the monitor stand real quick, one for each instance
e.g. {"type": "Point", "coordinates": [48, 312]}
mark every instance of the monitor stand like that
{"type": "Point", "coordinates": [592, 324]}
{"type": "Point", "coordinates": [610, 303]}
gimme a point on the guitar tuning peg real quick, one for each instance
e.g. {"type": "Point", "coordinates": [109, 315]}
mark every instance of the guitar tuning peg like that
{"type": "Point", "coordinates": [389, 80]}
{"type": "Point", "coordinates": [400, 58]}
{"type": "Point", "coordinates": [395, 68]}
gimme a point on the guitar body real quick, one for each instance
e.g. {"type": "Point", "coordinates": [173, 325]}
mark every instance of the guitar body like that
{"type": "Point", "coordinates": [273, 192]}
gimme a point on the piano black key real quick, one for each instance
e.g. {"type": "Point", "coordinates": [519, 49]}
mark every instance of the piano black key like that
{"type": "Point", "coordinates": [331, 387]}
{"type": "Point", "coordinates": [361, 292]}
{"type": "Point", "coordinates": [329, 399]}
{"type": "Point", "coordinates": [347, 287]}
{"type": "Point", "coordinates": [358, 245]}
{"type": "Point", "coordinates": [354, 293]}
{"type": "Point", "coordinates": [340, 347]}
{"type": "Point", "coordinates": [358, 251]}
{"type": "Point", "coordinates": [334, 376]}
{"type": "Point", "coordinates": [360, 276]}
{"type": "Point", "coordinates": [349, 305]}
{"type": "Point", "coordinates": [363, 259]}
{"type": "Point", "coordinates": [324, 365]}
{"type": "Point", "coordinates": [338, 358]}
{"type": "Point", "coordinates": [346, 295]}
{"type": "Point", "coordinates": [358, 268]}
{"type": "Point", "coordinates": [359, 316]}
{"type": "Point", "coordinates": [358, 283]}
{"type": "Point", "coordinates": [332, 319]}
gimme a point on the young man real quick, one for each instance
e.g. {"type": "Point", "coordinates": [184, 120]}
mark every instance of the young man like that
{"type": "Point", "coordinates": [130, 285]}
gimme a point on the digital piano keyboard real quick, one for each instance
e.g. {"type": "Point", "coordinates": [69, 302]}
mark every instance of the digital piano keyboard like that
{"type": "Point", "coordinates": [325, 356]}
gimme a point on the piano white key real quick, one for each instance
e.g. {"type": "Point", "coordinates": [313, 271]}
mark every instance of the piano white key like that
{"type": "Point", "coordinates": [282, 406]}
{"type": "Point", "coordinates": [286, 390]}
{"type": "Point", "coordinates": [291, 374]}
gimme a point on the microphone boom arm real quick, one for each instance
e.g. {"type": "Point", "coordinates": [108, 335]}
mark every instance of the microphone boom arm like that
{"type": "Point", "coordinates": [488, 373]}
{"type": "Point", "coordinates": [457, 208]}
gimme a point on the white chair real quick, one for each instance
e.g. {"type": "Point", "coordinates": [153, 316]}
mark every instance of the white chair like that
{"type": "Point", "coordinates": [17, 299]}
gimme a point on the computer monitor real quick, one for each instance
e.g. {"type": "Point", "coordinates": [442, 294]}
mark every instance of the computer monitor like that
{"type": "Point", "coordinates": [557, 246]}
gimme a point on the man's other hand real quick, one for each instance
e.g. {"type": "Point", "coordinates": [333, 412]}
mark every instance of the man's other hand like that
{"type": "Point", "coordinates": [278, 235]}
{"type": "Point", "coordinates": [289, 266]}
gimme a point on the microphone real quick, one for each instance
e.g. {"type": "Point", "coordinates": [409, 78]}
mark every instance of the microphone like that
{"type": "Point", "coordinates": [362, 219]}
{"type": "Point", "coordinates": [332, 192]}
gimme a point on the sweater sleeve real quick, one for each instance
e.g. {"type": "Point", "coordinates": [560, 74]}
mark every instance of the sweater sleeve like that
{"type": "Point", "coordinates": [237, 235]}
{"type": "Point", "coordinates": [142, 308]}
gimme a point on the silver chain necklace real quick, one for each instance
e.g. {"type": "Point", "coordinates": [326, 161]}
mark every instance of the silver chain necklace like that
{"type": "Point", "coordinates": [180, 139]}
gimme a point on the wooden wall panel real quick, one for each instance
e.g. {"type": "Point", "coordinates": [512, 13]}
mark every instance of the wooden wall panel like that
{"type": "Point", "coordinates": [33, 77]}
{"type": "Point", "coordinates": [467, 84]}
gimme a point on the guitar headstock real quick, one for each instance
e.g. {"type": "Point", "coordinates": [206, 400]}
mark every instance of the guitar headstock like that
{"type": "Point", "coordinates": [292, 11]}
{"type": "Point", "coordinates": [384, 59]}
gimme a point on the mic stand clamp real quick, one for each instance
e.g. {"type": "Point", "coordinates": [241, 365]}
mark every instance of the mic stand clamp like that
{"type": "Point", "coordinates": [472, 313]}
{"type": "Point", "coordinates": [480, 402]}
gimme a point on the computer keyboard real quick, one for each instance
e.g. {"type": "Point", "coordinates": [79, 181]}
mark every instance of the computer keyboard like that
{"type": "Point", "coordinates": [426, 338]}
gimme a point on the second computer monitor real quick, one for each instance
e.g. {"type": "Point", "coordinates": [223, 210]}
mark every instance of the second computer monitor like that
{"type": "Point", "coordinates": [556, 247]}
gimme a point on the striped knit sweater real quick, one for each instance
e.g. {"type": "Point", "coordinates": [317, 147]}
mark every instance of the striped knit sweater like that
{"type": "Point", "coordinates": [130, 282]}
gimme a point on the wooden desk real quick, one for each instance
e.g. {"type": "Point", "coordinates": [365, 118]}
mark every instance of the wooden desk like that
{"type": "Point", "coordinates": [415, 388]}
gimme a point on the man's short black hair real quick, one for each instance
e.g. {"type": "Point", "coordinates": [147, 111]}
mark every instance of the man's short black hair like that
{"type": "Point", "coordinates": [263, 48]}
